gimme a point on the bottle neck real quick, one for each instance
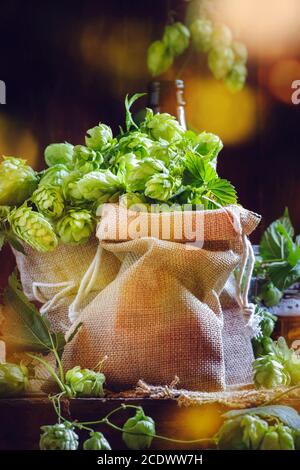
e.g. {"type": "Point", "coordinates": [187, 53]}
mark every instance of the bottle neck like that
{"type": "Point", "coordinates": [168, 97]}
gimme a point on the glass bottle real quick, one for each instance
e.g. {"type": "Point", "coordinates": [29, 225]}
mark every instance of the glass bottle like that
{"type": "Point", "coordinates": [166, 96]}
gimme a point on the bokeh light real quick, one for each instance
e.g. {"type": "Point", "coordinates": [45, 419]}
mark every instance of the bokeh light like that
{"type": "Point", "coordinates": [279, 78]}
{"type": "Point", "coordinates": [211, 107]}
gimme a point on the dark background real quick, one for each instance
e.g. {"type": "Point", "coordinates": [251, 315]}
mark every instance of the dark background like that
{"type": "Point", "coordinates": [67, 65]}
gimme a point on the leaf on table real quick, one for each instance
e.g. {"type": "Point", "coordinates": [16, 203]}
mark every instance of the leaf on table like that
{"type": "Point", "coordinates": [24, 328]}
{"type": "Point", "coordinates": [286, 414]}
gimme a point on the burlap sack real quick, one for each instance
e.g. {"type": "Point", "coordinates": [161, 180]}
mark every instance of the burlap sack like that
{"type": "Point", "coordinates": [53, 279]}
{"type": "Point", "coordinates": [171, 308]}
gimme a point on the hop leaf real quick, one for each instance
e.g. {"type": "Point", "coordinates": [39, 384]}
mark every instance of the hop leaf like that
{"type": "Point", "coordinates": [163, 126]}
{"type": "Point", "coordinates": [202, 34]}
{"type": "Point", "coordinates": [76, 227]}
{"type": "Point", "coordinates": [85, 382]}
{"type": "Point", "coordinates": [138, 432]}
{"type": "Point", "coordinates": [59, 437]}
{"type": "Point", "coordinates": [96, 442]}
{"type": "Point", "coordinates": [59, 154]}
{"type": "Point", "coordinates": [162, 186]}
{"type": "Point", "coordinates": [176, 38]}
{"type": "Point", "coordinates": [49, 201]}
{"type": "Point", "coordinates": [99, 138]}
{"type": "Point", "coordinates": [17, 181]}
{"type": "Point", "coordinates": [269, 372]}
{"type": "Point", "coordinates": [33, 228]}
{"type": "Point", "coordinates": [159, 58]}
{"type": "Point", "coordinates": [14, 379]}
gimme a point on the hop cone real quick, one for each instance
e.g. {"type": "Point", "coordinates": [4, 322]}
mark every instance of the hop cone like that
{"type": "Point", "coordinates": [54, 176]}
{"type": "Point", "coordinates": [96, 442]}
{"type": "Point", "coordinates": [85, 382]}
{"type": "Point", "coordinates": [163, 126]}
{"type": "Point", "coordinates": [59, 153]}
{"type": "Point", "coordinates": [161, 186]}
{"type": "Point", "coordinates": [202, 34]}
{"type": "Point", "coordinates": [58, 437]}
{"type": "Point", "coordinates": [159, 58]}
{"type": "Point", "coordinates": [33, 228]}
{"type": "Point", "coordinates": [13, 379]}
{"type": "Point", "coordinates": [269, 372]}
{"type": "Point", "coordinates": [86, 159]}
{"type": "Point", "coordinates": [176, 38]}
{"type": "Point", "coordinates": [76, 227]}
{"type": "Point", "coordinates": [278, 437]}
{"type": "Point", "coordinates": [17, 181]}
{"type": "Point", "coordinates": [138, 432]}
{"type": "Point", "coordinates": [99, 137]}
{"type": "Point", "coordinates": [49, 201]}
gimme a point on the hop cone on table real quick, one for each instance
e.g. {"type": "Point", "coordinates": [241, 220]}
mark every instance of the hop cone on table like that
{"type": "Point", "coordinates": [138, 432]}
{"type": "Point", "coordinates": [278, 437]}
{"type": "Point", "coordinates": [269, 372]}
{"type": "Point", "coordinates": [49, 201]}
{"type": "Point", "coordinates": [85, 382]}
{"type": "Point", "coordinates": [33, 228]}
{"type": "Point", "coordinates": [76, 227]}
{"type": "Point", "coordinates": [59, 437]}
{"type": "Point", "coordinates": [96, 441]}
{"type": "Point", "coordinates": [13, 379]}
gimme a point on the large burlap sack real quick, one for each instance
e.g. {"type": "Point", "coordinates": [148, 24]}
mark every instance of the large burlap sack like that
{"type": "Point", "coordinates": [53, 279]}
{"type": "Point", "coordinates": [163, 313]}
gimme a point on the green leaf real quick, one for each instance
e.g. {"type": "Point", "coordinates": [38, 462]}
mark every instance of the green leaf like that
{"type": "Point", "coordinates": [200, 169]}
{"type": "Point", "coordinates": [2, 239]}
{"type": "Point", "coordinates": [25, 329]}
{"type": "Point", "coordinates": [286, 414]}
{"type": "Point", "coordinates": [283, 275]}
{"type": "Point", "coordinates": [221, 191]}
{"type": "Point", "coordinates": [292, 249]}
{"type": "Point", "coordinates": [273, 244]}
{"type": "Point", "coordinates": [128, 103]}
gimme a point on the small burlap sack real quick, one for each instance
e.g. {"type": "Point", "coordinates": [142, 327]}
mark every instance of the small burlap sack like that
{"type": "Point", "coordinates": [172, 307]}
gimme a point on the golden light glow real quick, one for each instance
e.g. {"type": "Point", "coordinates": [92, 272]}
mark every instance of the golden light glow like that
{"type": "Point", "coordinates": [199, 422]}
{"type": "Point", "coordinates": [17, 141]}
{"type": "Point", "coordinates": [270, 28]}
{"type": "Point", "coordinates": [211, 107]}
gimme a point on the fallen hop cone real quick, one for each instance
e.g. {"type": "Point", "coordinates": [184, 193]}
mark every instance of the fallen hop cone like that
{"type": "Point", "coordinates": [49, 201]}
{"type": "Point", "coordinates": [33, 228]}
{"type": "Point", "coordinates": [278, 437]}
{"type": "Point", "coordinates": [59, 437]}
{"type": "Point", "coordinates": [85, 382]}
{"type": "Point", "coordinates": [138, 432]}
{"type": "Point", "coordinates": [96, 442]}
{"type": "Point", "coordinates": [76, 227]}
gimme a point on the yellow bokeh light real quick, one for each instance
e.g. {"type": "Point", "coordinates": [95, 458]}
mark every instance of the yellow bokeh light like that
{"type": "Point", "coordinates": [211, 107]}
{"type": "Point", "coordinates": [15, 140]}
{"type": "Point", "coordinates": [280, 78]}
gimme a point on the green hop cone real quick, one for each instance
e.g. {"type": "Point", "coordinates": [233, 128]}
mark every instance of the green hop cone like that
{"type": "Point", "coordinates": [59, 437]}
{"type": "Point", "coordinates": [267, 322]}
{"type": "Point", "coordinates": [137, 143]}
{"type": "Point", "coordinates": [222, 36]}
{"type": "Point", "coordinates": [17, 181]}
{"type": "Point", "coordinates": [240, 52]}
{"type": "Point", "coordinates": [14, 379]}
{"type": "Point", "coordinates": [262, 345]}
{"type": "Point", "coordinates": [278, 437]}
{"type": "Point", "coordinates": [230, 435]}
{"type": "Point", "coordinates": [176, 38]}
{"type": "Point", "coordinates": [86, 159]}
{"type": "Point", "coordinates": [269, 372]}
{"type": "Point", "coordinates": [96, 442]}
{"type": "Point", "coordinates": [254, 430]}
{"type": "Point", "coordinates": [221, 61]}
{"type": "Point", "coordinates": [49, 201]}
{"type": "Point", "coordinates": [70, 188]}
{"type": "Point", "coordinates": [163, 151]}
{"type": "Point", "coordinates": [202, 34]}
{"type": "Point", "coordinates": [134, 201]}
{"type": "Point", "coordinates": [163, 126]}
{"type": "Point", "coordinates": [208, 145]}
{"type": "Point", "coordinates": [59, 154]}
{"type": "Point", "coordinates": [162, 187]}
{"type": "Point", "coordinates": [4, 213]}
{"type": "Point", "coordinates": [270, 294]}
{"type": "Point", "coordinates": [138, 174]}
{"type": "Point", "coordinates": [159, 58]}
{"type": "Point", "coordinates": [138, 432]}
{"type": "Point", "coordinates": [236, 78]}
{"type": "Point", "coordinates": [33, 228]}
{"type": "Point", "coordinates": [99, 138]}
{"type": "Point", "coordinates": [76, 227]}
{"type": "Point", "coordinates": [54, 176]}
{"type": "Point", "coordinates": [289, 358]}
{"type": "Point", "coordinates": [85, 382]}
{"type": "Point", "coordinates": [93, 185]}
